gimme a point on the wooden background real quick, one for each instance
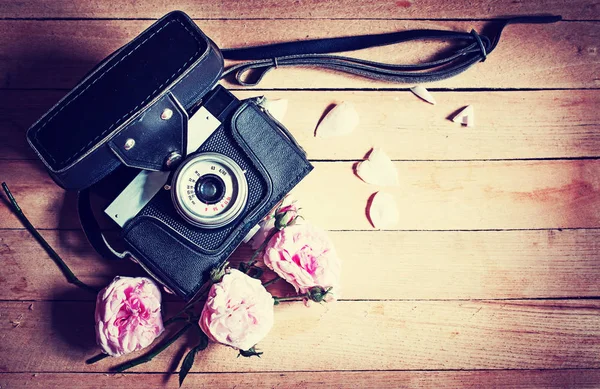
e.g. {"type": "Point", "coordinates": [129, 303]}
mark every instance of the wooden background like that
{"type": "Point", "coordinates": [491, 278]}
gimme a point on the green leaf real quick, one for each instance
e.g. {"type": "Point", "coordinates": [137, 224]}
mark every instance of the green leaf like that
{"type": "Point", "coordinates": [187, 364]}
{"type": "Point", "coordinates": [203, 343]}
{"type": "Point", "coordinates": [251, 352]}
{"type": "Point", "coordinates": [188, 361]}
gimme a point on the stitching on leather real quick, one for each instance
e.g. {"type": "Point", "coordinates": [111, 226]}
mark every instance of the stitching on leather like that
{"type": "Point", "coordinates": [128, 113]}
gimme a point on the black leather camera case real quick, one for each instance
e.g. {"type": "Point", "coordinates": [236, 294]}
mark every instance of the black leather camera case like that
{"type": "Point", "coordinates": [116, 117]}
{"type": "Point", "coordinates": [170, 65]}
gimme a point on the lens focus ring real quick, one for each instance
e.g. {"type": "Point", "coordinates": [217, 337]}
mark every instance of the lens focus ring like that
{"type": "Point", "coordinates": [209, 190]}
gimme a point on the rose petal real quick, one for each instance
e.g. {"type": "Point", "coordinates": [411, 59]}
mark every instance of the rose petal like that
{"type": "Point", "coordinates": [423, 94]}
{"type": "Point", "coordinates": [341, 120]}
{"type": "Point", "coordinates": [378, 169]}
{"type": "Point", "coordinates": [276, 107]}
{"type": "Point", "coordinates": [383, 211]}
{"type": "Point", "coordinates": [465, 117]}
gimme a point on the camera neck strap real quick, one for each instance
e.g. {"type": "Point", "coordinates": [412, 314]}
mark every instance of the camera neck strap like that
{"type": "Point", "coordinates": [316, 53]}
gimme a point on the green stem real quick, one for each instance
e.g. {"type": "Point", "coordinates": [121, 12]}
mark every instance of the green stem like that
{"type": "Point", "coordinates": [274, 280]}
{"type": "Point", "coordinates": [71, 278]}
{"type": "Point", "coordinates": [201, 294]}
{"type": "Point", "coordinates": [290, 298]}
{"type": "Point", "coordinates": [148, 357]}
{"type": "Point", "coordinates": [252, 260]}
{"type": "Point", "coordinates": [172, 320]}
{"type": "Point", "coordinates": [97, 358]}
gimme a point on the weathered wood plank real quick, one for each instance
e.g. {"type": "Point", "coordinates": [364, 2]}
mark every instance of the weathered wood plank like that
{"type": "Point", "coordinates": [55, 54]}
{"type": "Point", "coordinates": [342, 336]}
{"type": "Point", "coordinates": [568, 378]}
{"type": "Point", "coordinates": [510, 125]}
{"type": "Point", "coordinates": [418, 265]}
{"type": "Point", "coordinates": [247, 9]}
{"type": "Point", "coordinates": [431, 195]}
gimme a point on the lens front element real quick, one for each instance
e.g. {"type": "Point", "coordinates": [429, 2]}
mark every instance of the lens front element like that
{"type": "Point", "coordinates": [210, 190]}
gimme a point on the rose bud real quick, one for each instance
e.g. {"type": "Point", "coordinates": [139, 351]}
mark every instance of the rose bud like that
{"type": "Point", "coordinates": [305, 257]}
{"type": "Point", "coordinates": [128, 315]}
{"type": "Point", "coordinates": [285, 214]}
{"type": "Point", "coordinates": [238, 311]}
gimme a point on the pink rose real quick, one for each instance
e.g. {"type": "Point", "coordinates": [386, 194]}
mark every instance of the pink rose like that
{"type": "Point", "coordinates": [305, 257]}
{"type": "Point", "coordinates": [238, 311]}
{"type": "Point", "coordinates": [285, 213]}
{"type": "Point", "coordinates": [128, 315]}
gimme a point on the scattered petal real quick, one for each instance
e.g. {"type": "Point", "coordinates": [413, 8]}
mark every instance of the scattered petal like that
{"type": "Point", "coordinates": [423, 94]}
{"type": "Point", "coordinates": [276, 107]}
{"type": "Point", "coordinates": [465, 117]}
{"type": "Point", "coordinates": [383, 211]}
{"type": "Point", "coordinates": [17, 322]}
{"type": "Point", "coordinates": [378, 169]}
{"type": "Point", "coordinates": [341, 120]}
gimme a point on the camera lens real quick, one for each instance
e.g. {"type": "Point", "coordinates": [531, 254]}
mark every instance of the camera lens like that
{"type": "Point", "coordinates": [210, 189]}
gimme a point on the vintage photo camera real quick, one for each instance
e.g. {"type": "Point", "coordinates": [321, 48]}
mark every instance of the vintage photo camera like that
{"type": "Point", "coordinates": [208, 166]}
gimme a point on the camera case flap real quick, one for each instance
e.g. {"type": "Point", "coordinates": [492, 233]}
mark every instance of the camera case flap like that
{"type": "Point", "coordinates": [132, 108]}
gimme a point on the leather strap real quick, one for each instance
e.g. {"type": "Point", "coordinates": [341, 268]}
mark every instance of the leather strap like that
{"type": "Point", "coordinates": [315, 53]}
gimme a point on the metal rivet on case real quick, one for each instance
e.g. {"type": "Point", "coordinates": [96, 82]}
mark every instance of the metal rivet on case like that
{"type": "Point", "coordinates": [166, 114]}
{"type": "Point", "coordinates": [167, 187]}
{"type": "Point", "coordinates": [129, 143]}
{"type": "Point", "coordinates": [173, 159]}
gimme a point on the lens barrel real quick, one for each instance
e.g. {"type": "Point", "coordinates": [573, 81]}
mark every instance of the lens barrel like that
{"type": "Point", "coordinates": [209, 190]}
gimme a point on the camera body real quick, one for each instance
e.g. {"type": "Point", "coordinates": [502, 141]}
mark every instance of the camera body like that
{"type": "Point", "coordinates": [209, 166]}
{"type": "Point", "coordinates": [216, 195]}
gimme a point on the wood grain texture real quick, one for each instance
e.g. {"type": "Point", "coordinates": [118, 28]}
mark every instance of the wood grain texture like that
{"type": "Point", "coordinates": [510, 125]}
{"type": "Point", "coordinates": [431, 196]}
{"type": "Point", "coordinates": [56, 54]}
{"type": "Point", "coordinates": [480, 286]}
{"type": "Point", "coordinates": [418, 265]}
{"type": "Point", "coordinates": [342, 336]}
{"type": "Point", "coordinates": [306, 9]}
{"type": "Point", "coordinates": [515, 379]}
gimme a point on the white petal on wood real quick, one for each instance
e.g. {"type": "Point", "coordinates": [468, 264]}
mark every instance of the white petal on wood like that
{"type": "Point", "coordinates": [465, 117]}
{"type": "Point", "coordinates": [383, 211]}
{"type": "Point", "coordinates": [423, 94]}
{"type": "Point", "coordinates": [341, 120]}
{"type": "Point", "coordinates": [276, 107]}
{"type": "Point", "coordinates": [378, 169]}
